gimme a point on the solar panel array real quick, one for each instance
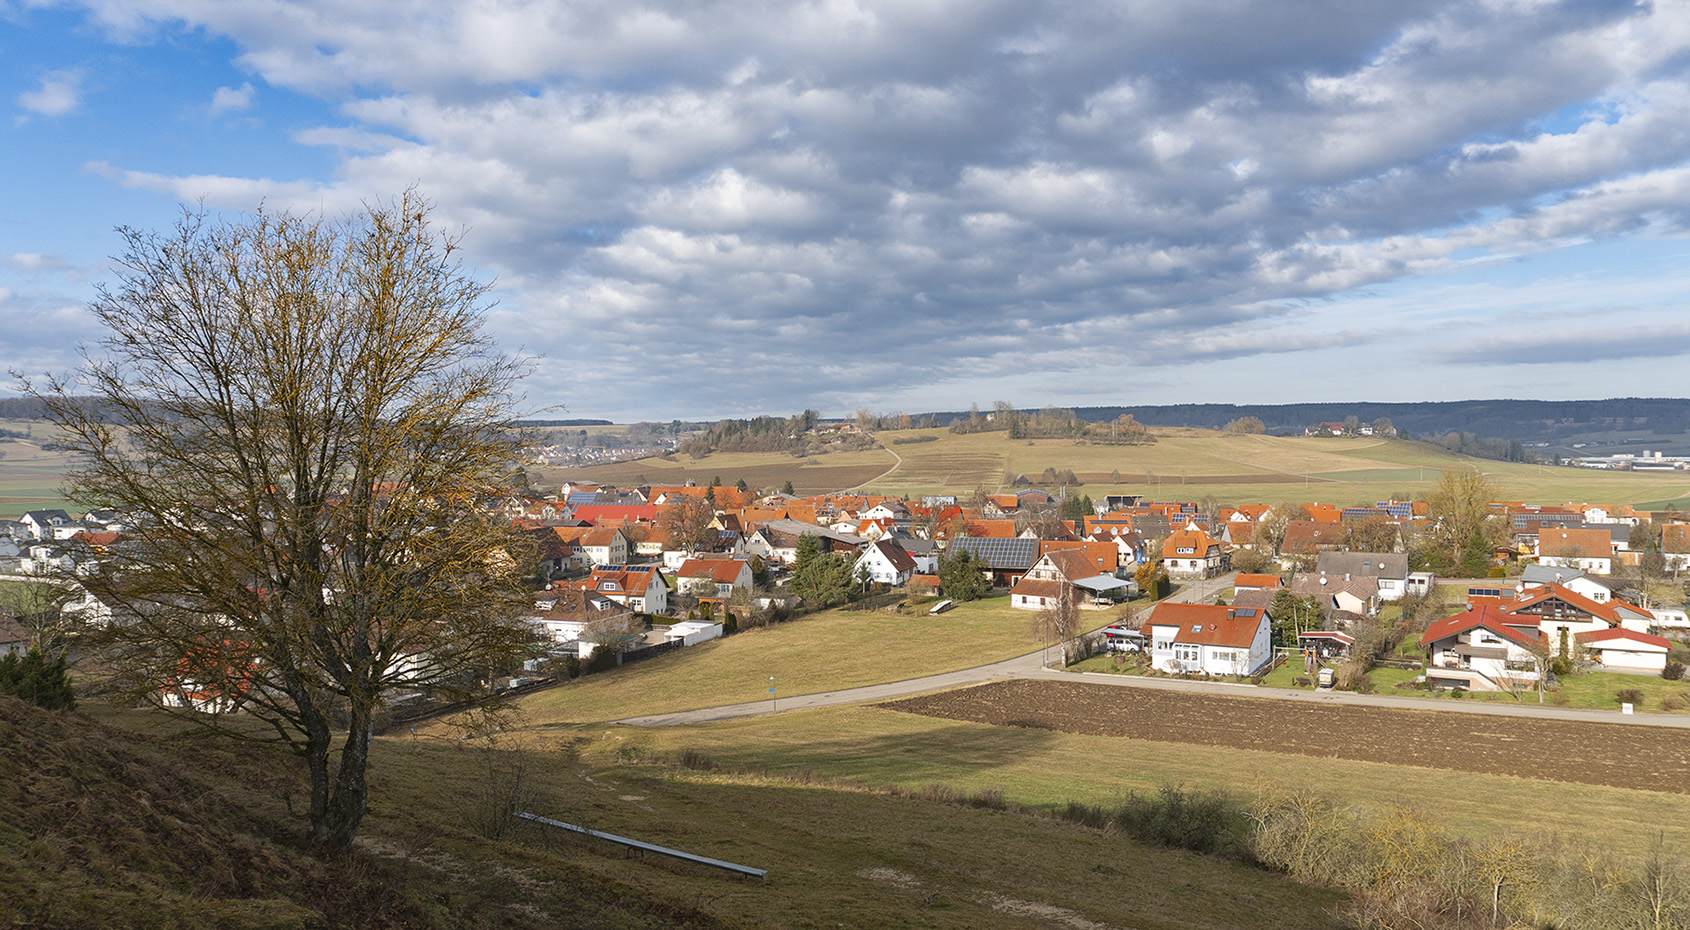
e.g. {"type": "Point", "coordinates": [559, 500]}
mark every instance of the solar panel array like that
{"type": "Point", "coordinates": [1001, 553]}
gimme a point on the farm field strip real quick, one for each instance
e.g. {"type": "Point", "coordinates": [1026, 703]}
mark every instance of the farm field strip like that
{"type": "Point", "coordinates": [1586, 753]}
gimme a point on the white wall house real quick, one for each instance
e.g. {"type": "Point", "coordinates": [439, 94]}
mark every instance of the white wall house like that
{"type": "Point", "coordinates": [1210, 639]}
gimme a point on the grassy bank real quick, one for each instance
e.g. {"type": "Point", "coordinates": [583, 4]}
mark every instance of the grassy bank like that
{"type": "Point", "coordinates": [827, 651]}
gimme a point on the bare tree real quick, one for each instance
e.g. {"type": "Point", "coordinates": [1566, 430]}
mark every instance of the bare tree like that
{"type": "Point", "coordinates": [686, 522]}
{"type": "Point", "coordinates": [39, 607]}
{"type": "Point", "coordinates": [1060, 622]}
{"type": "Point", "coordinates": [301, 419]}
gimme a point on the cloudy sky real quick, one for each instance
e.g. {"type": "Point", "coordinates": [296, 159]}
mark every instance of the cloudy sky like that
{"type": "Point", "coordinates": [753, 206]}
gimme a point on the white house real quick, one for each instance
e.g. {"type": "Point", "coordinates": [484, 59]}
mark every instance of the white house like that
{"type": "Point", "coordinates": [1042, 585]}
{"type": "Point", "coordinates": [1192, 553]}
{"type": "Point", "coordinates": [885, 562]}
{"type": "Point", "coordinates": [1210, 639]}
{"type": "Point", "coordinates": [1626, 649]}
{"type": "Point", "coordinates": [640, 588]}
{"type": "Point", "coordinates": [712, 577]}
{"type": "Point", "coordinates": [1484, 649]}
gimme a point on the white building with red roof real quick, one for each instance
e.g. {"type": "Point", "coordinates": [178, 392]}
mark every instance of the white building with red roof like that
{"type": "Point", "coordinates": [1192, 553]}
{"type": "Point", "coordinates": [1211, 639]}
{"type": "Point", "coordinates": [885, 562]}
{"type": "Point", "coordinates": [1626, 649]}
{"type": "Point", "coordinates": [1484, 649]}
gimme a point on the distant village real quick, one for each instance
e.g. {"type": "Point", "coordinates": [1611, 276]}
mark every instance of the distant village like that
{"type": "Point", "coordinates": [623, 573]}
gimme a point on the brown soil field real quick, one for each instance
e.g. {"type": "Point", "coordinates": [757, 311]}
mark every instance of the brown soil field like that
{"type": "Point", "coordinates": [805, 478]}
{"type": "Point", "coordinates": [1621, 756]}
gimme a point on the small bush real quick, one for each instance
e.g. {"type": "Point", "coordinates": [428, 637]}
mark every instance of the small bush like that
{"type": "Point", "coordinates": [1674, 671]}
{"type": "Point", "coordinates": [1211, 823]}
{"type": "Point", "coordinates": [1675, 702]}
{"type": "Point", "coordinates": [697, 761]}
{"type": "Point", "coordinates": [1558, 698]}
{"type": "Point", "coordinates": [37, 681]}
{"type": "Point", "coordinates": [1632, 696]}
{"type": "Point", "coordinates": [1560, 666]}
{"type": "Point", "coordinates": [603, 660]}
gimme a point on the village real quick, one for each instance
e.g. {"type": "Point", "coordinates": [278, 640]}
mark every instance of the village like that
{"type": "Point", "coordinates": [1313, 595]}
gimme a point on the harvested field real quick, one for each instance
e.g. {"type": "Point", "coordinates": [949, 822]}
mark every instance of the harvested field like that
{"type": "Point", "coordinates": [1646, 758]}
{"type": "Point", "coordinates": [1168, 483]}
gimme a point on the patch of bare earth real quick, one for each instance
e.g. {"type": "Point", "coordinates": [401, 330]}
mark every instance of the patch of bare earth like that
{"type": "Point", "coordinates": [1647, 758]}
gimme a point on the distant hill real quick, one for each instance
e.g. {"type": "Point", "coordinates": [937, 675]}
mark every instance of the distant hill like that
{"type": "Point", "coordinates": [1660, 422]}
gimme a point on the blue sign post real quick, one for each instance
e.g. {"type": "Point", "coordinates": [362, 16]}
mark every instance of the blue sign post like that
{"type": "Point", "coordinates": [774, 699]}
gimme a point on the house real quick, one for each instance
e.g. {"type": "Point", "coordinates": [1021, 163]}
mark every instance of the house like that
{"type": "Point", "coordinates": [1536, 576]}
{"type": "Point", "coordinates": [1675, 545]}
{"type": "Point", "coordinates": [1561, 615]}
{"type": "Point", "coordinates": [712, 578]}
{"type": "Point", "coordinates": [553, 553]}
{"type": "Point", "coordinates": [1588, 550]}
{"type": "Point", "coordinates": [885, 562]}
{"type": "Point", "coordinates": [1353, 594]}
{"type": "Point", "coordinates": [1192, 553]}
{"type": "Point", "coordinates": [1104, 556]}
{"type": "Point", "coordinates": [597, 545]}
{"type": "Point", "coordinates": [1005, 559]}
{"type": "Point", "coordinates": [1043, 583]}
{"type": "Point", "coordinates": [642, 589]}
{"type": "Point", "coordinates": [1307, 537]}
{"type": "Point", "coordinates": [564, 614]}
{"type": "Point", "coordinates": [777, 540]}
{"type": "Point", "coordinates": [1131, 549]}
{"type": "Point", "coordinates": [14, 639]}
{"type": "Point", "coordinates": [1483, 649]}
{"type": "Point", "coordinates": [1626, 649]}
{"type": "Point", "coordinates": [1209, 639]}
{"type": "Point", "coordinates": [1389, 569]}
{"type": "Point", "coordinates": [47, 524]}
{"type": "Point", "coordinates": [1249, 582]}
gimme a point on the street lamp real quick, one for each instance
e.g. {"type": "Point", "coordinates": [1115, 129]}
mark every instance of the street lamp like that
{"type": "Point", "coordinates": [774, 698]}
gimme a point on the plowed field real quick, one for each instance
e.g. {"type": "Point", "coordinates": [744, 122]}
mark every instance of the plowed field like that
{"type": "Point", "coordinates": [1618, 755]}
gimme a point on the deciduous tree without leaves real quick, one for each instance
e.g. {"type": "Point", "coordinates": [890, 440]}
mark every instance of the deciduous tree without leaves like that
{"type": "Point", "coordinates": [300, 418]}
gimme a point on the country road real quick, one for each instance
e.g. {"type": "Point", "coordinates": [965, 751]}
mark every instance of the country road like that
{"type": "Point", "coordinates": [1029, 666]}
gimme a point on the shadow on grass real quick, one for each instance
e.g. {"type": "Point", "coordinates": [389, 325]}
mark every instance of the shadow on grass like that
{"type": "Point", "coordinates": [929, 754]}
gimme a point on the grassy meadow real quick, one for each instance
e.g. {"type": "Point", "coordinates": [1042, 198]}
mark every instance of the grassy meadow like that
{"type": "Point", "coordinates": [1183, 464]}
{"type": "Point", "coordinates": [30, 475]}
{"type": "Point", "coordinates": [827, 651]}
{"type": "Point", "coordinates": [1045, 768]}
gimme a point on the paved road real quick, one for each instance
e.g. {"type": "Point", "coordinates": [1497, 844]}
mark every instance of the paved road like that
{"type": "Point", "coordinates": [1028, 666]}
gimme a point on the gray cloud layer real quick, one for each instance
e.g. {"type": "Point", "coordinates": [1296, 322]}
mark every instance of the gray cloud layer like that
{"type": "Point", "coordinates": [766, 205]}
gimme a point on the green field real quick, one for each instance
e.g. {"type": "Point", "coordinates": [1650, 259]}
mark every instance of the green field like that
{"type": "Point", "coordinates": [29, 475]}
{"type": "Point", "coordinates": [829, 651]}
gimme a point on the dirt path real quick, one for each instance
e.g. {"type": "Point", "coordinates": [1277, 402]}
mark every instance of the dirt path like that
{"type": "Point", "coordinates": [897, 463]}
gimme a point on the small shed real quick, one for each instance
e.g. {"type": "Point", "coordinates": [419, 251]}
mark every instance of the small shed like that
{"type": "Point", "coordinates": [1325, 645]}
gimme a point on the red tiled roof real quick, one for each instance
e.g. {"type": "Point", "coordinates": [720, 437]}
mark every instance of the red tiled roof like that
{"type": "Point", "coordinates": [1208, 624]}
{"type": "Point", "coordinates": [1602, 636]}
{"type": "Point", "coordinates": [1485, 616]}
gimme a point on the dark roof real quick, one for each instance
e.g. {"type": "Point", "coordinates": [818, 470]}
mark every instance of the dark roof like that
{"type": "Point", "coordinates": [1019, 554]}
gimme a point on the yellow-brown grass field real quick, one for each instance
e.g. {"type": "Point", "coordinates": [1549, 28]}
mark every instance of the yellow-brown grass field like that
{"type": "Point", "coordinates": [1183, 464]}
